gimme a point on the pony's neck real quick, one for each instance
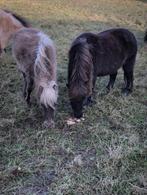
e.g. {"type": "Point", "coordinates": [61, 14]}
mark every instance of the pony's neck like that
{"type": "Point", "coordinates": [8, 26]}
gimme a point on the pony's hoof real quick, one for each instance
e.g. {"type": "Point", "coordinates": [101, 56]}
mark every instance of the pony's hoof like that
{"type": "Point", "coordinates": [92, 102]}
{"type": "Point", "coordinates": [126, 92]}
{"type": "Point", "coordinates": [48, 124]}
{"type": "Point", "coordinates": [29, 104]}
{"type": "Point", "coordinates": [107, 90]}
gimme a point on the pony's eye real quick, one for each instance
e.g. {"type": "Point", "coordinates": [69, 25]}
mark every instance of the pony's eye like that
{"type": "Point", "coordinates": [67, 85]}
{"type": "Point", "coordinates": [54, 86]}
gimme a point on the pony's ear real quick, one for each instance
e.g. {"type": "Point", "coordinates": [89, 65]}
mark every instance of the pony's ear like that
{"type": "Point", "coordinates": [67, 85]}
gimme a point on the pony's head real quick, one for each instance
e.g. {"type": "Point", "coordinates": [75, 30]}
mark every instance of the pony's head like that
{"type": "Point", "coordinates": [80, 71]}
{"type": "Point", "coordinates": [77, 94]}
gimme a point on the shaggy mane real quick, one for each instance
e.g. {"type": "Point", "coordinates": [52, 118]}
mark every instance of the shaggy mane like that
{"type": "Point", "coordinates": [80, 69]}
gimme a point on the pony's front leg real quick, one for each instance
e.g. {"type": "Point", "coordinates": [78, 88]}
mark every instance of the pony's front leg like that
{"type": "Point", "coordinates": [93, 83]}
{"type": "Point", "coordinates": [48, 117]}
{"type": "Point", "coordinates": [24, 85]}
{"type": "Point", "coordinates": [111, 82]}
{"type": "Point", "coordinates": [28, 87]}
{"type": "Point", "coordinates": [2, 50]}
{"type": "Point", "coordinates": [88, 101]}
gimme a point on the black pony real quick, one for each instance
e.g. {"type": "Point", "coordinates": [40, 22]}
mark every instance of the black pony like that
{"type": "Point", "coordinates": [93, 55]}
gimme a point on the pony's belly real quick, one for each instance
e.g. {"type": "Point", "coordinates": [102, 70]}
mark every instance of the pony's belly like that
{"type": "Point", "coordinates": [108, 64]}
{"type": "Point", "coordinates": [103, 74]}
{"type": "Point", "coordinates": [107, 70]}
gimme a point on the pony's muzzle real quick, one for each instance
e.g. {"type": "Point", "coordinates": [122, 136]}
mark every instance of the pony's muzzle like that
{"type": "Point", "coordinates": [78, 115]}
{"type": "Point", "coordinates": [77, 107]}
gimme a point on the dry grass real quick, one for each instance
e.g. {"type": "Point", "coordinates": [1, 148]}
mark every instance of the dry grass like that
{"type": "Point", "coordinates": [104, 155]}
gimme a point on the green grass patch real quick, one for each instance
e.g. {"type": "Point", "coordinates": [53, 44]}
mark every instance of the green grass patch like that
{"type": "Point", "coordinates": [107, 153]}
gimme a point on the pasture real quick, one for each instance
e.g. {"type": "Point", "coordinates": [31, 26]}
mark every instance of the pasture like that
{"type": "Point", "coordinates": [104, 155]}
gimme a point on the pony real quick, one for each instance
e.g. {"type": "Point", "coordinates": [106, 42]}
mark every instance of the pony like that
{"type": "Point", "coordinates": [101, 54]}
{"type": "Point", "coordinates": [9, 24]}
{"type": "Point", "coordinates": [35, 55]}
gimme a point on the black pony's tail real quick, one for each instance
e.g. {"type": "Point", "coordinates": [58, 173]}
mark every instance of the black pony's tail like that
{"type": "Point", "coordinates": [145, 37]}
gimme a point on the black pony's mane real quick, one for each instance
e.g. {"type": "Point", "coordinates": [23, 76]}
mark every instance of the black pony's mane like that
{"type": "Point", "coordinates": [19, 18]}
{"type": "Point", "coordinates": [80, 68]}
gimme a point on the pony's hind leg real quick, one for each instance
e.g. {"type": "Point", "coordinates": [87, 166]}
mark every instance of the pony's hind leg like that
{"type": "Point", "coordinates": [111, 82]}
{"type": "Point", "coordinates": [128, 75]}
{"type": "Point", "coordinates": [89, 100]}
{"type": "Point", "coordinates": [128, 78]}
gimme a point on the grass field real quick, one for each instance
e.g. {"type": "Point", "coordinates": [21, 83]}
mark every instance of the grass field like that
{"type": "Point", "coordinates": [104, 155]}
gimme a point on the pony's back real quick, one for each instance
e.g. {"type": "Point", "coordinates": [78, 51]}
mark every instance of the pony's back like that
{"type": "Point", "coordinates": [124, 36]}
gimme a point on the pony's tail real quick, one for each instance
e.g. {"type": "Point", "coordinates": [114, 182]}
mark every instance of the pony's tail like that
{"type": "Point", "coordinates": [145, 37]}
{"type": "Point", "coordinates": [45, 72]}
{"type": "Point", "coordinates": [80, 70]}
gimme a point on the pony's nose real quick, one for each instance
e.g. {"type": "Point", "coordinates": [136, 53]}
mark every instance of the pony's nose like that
{"type": "Point", "coordinates": [78, 115]}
